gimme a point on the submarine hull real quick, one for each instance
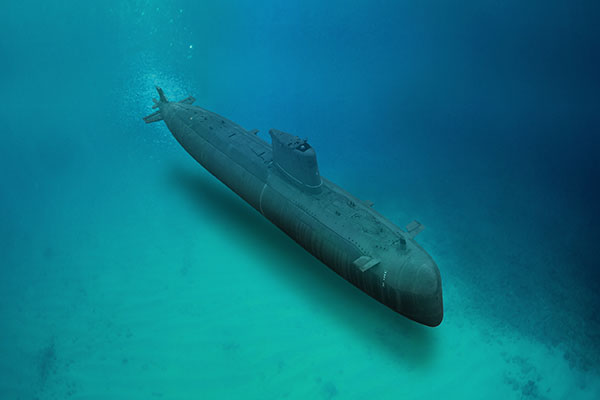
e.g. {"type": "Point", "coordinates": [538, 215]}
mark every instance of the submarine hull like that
{"type": "Point", "coordinates": [345, 233]}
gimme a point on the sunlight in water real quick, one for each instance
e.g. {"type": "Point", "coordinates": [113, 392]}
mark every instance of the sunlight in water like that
{"type": "Point", "coordinates": [129, 271]}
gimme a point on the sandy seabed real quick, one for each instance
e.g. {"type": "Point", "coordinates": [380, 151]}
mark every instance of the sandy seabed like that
{"type": "Point", "coordinates": [161, 283]}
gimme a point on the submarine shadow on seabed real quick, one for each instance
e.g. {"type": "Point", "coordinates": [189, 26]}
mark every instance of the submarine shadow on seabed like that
{"type": "Point", "coordinates": [404, 340]}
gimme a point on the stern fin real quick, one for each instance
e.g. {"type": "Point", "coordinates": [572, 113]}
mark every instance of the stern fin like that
{"type": "Point", "coordinates": [188, 100]}
{"type": "Point", "coordinates": [161, 95]}
{"type": "Point", "coordinates": [154, 117]}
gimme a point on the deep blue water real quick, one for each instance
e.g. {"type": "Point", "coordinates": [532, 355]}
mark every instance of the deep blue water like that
{"type": "Point", "coordinates": [128, 272]}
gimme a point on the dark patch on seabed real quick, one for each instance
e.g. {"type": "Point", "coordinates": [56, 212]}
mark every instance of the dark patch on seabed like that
{"type": "Point", "coordinates": [47, 365]}
{"type": "Point", "coordinates": [523, 378]}
{"type": "Point", "coordinates": [536, 301]}
{"type": "Point", "coordinates": [328, 389]}
{"type": "Point", "coordinates": [526, 269]}
{"type": "Point", "coordinates": [51, 369]}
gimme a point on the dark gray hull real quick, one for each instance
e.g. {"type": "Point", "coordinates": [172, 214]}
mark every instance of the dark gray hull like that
{"type": "Point", "coordinates": [343, 232]}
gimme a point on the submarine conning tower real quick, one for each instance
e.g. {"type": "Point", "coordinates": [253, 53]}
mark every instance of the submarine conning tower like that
{"type": "Point", "coordinates": [296, 160]}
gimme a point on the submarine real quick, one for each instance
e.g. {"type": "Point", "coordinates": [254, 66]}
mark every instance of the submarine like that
{"type": "Point", "coordinates": [282, 181]}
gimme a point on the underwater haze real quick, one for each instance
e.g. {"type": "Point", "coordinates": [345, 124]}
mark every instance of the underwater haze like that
{"type": "Point", "coordinates": [127, 271]}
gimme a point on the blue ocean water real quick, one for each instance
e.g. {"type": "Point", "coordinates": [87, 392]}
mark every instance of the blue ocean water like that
{"type": "Point", "coordinates": [127, 271]}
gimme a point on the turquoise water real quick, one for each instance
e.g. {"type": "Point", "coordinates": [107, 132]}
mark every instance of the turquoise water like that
{"type": "Point", "coordinates": [127, 271]}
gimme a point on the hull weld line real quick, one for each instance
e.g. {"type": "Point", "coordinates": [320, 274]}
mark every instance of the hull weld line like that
{"type": "Point", "coordinates": [260, 199]}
